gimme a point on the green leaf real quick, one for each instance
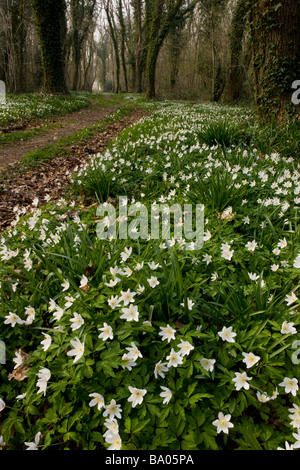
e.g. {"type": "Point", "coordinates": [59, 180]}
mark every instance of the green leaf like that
{"type": "Point", "coordinates": [191, 388]}
{"type": "Point", "coordinates": [210, 441]}
{"type": "Point", "coordinates": [153, 409]}
{"type": "Point", "coordinates": [199, 416]}
{"type": "Point", "coordinates": [179, 409]}
{"type": "Point", "coordinates": [189, 442]}
{"type": "Point", "coordinates": [140, 426]}
{"type": "Point", "coordinates": [127, 425]}
{"type": "Point", "coordinates": [199, 396]}
{"type": "Point", "coordinates": [96, 436]}
{"type": "Point", "coordinates": [88, 371]}
{"type": "Point", "coordinates": [66, 409]}
{"type": "Point", "coordinates": [71, 436]}
{"type": "Point", "coordinates": [19, 427]}
{"type": "Point", "coordinates": [76, 417]}
{"type": "Point", "coordinates": [47, 440]}
{"type": "Point", "coordinates": [250, 438]}
{"type": "Point", "coordinates": [108, 370]}
{"type": "Point", "coordinates": [163, 415]}
{"type": "Point", "coordinates": [32, 410]}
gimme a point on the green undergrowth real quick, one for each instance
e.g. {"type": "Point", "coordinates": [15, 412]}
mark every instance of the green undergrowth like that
{"type": "Point", "coordinates": [145, 343]}
{"type": "Point", "coordinates": [21, 110]}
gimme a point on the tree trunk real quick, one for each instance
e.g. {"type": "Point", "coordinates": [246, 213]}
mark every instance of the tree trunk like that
{"type": "Point", "coordinates": [74, 4]}
{"type": "Point", "coordinates": [176, 44]}
{"type": "Point", "coordinates": [165, 17]}
{"type": "Point", "coordinates": [112, 30]}
{"type": "Point", "coordinates": [123, 45]}
{"type": "Point", "coordinates": [89, 76]}
{"type": "Point", "coordinates": [219, 82]}
{"type": "Point", "coordinates": [103, 55]}
{"type": "Point", "coordinates": [236, 73]}
{"type": "Point", "coordinates": [151, 72]}
{"type": "Point", "coordinates": [51, 28]}
{"type": "Point", "coordinates": [154, 44]}
{"type": "Point", "coordinates": [276, 56]}
{"type": "Point", "coordinates": [82, 16]}
{"type": "Point", "coordinates": [19, 34]}
{"type": "Point", "coordinates": [138, 48]}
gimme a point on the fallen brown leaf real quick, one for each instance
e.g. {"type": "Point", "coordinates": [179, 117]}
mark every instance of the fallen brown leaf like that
{"type": "Point", "coordinates": [20, 373]}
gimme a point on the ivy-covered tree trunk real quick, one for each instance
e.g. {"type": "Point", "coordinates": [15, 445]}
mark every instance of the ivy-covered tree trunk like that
{"type": "Point", "coordinates": [219, 81]}
{"type": "Point", "coordinates": [276, 55]}
{"type": "Point", "coordinates": [165, 16]}
{"type": "Point", "coordinates": [113, 34]}
{"type": "Point", "coordinates": [19, 33]}
{"type": "Point", "coordinates": [175, 46]}
{"type": "Point", "coordinates": [82, 17]}
{"type": "Point", "coordinates": [154, 46]}
{"type": "Point", "coordinates": [51, 28]}
{"type": "Point", "coordinates": [151, 71]}
{"type": "Point", "coordinates": [138, 49]}
{"type": "Point", "coordinates": [237, 32]}
{"type": "Point", "coordinates": [103, 55]}
{"type": "Point", "coordinates": [123, 43]}
{"type": "Point", "coordinates": [76, 41]}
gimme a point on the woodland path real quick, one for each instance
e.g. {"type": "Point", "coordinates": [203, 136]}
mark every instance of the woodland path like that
{"type": "Point", "coordinates": [51, 177]}
{"type": "Point", "coordinates": [67, 125]}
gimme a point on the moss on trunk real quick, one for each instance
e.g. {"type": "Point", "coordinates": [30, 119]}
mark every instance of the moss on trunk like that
{"type": "Point", "coordinates": [276, 56]}
{"type": "Point", "coordinates": [51, 28]}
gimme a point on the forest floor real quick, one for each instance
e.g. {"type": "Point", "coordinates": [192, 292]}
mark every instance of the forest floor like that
{"type": "Point", "coordinates": [20, 184]}
{"type": "Point", "coordinates": [209, 343]}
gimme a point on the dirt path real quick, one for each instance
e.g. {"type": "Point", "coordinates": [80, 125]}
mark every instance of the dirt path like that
{"type": "Point", "coordinates": [10, 154]}
{"type": "Point", "coordinates": [52, 177]}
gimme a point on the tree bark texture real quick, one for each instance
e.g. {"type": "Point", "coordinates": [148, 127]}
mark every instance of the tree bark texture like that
{"type": "Point", "coordinates": [51, 28]}
{"type": "Point", "coordinates": [276, 55]}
